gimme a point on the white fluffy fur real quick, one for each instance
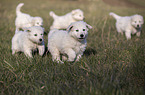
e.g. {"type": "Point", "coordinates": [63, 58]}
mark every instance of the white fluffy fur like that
{"type": "Point", "coordinates": [29, 40]}
{"type": "Point", "coordinates": [71, 43]}
{"type": "Point", "coordinates": [129, 24]}
{"type": "Point", "coordinates": [25, 20]}
{"type": "Point", "coordinates": [62, 22]}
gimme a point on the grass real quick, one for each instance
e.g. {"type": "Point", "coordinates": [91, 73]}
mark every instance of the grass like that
{"type": "Point", "coordinates": [111, 65]}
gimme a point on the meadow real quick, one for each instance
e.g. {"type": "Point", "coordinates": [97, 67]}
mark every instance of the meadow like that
{"type": "Point", "coordinates": [111, 65]}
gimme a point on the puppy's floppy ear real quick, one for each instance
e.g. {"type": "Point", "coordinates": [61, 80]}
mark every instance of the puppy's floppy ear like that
{"type": "Point", "coordinates": [74, 12]}
{"type": "Point", "coordinates": [28, 30]}
{"type": "Point", "coordinates": [21, 29]}
{"type": "Point", "coordinates": [88, 26]}
{"type": "Point", "coordinates": [70, 28]}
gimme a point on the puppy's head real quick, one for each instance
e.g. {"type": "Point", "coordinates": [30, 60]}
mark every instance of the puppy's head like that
{"type": "Point", "coordinates": [35, 34]}
{"type": "Point", "coordinates": [137, 21]}
{"type": "Point", "coordinates": [38, 21]}
{"type": "Point", "coordinates": [78, 14]}
{"type": "Point", "coordinates": [79, 30]}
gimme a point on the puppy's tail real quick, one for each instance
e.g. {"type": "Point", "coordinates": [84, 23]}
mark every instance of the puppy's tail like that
{"type": "Point", "coordinates": [18, 8]}
{"type": "Point", "coordinates": [114, 15]}
{"type": "Point", "coordinates": [51, 13]}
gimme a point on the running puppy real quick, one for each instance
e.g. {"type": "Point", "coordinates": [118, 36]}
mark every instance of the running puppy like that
{"type": "Point", "coordinates": [128, 24]}
{"type": "Point", "coordinates": [25, 20]}
{"type": "Point", "coordinates": [28, 41]}
{"type": "Point", "coordinates": [71, 43]}
{"type": "Point", "coordinates": [62, 22]}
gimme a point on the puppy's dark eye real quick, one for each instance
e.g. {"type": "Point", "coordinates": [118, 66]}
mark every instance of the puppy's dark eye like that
{"type": "Point", "coordinates": [77, 30]}
{"type": "Point", "coordinates": [135, 21]}
{"type": "Point", "coordinates": [83, 29]}
{"type": "Point", "coordinates": [35, 34]}
{"type": "Point", "coordinates": [41, 34]}
{"type": "Point", "coordinates": [139, 21]}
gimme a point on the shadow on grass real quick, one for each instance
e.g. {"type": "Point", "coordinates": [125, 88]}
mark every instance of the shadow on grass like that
{"type": "Point", "coordinates": [90, 51]}
{"type": "Point", "coordinates": [87, 52]}
{"type": "Point", "coordinates": [46, 52]}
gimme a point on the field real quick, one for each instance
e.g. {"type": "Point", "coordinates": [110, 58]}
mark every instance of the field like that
{"type": "Point", "coordinates": [111, 65]}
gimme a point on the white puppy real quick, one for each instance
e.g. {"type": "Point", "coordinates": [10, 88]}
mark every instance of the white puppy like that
{"type": "Point", "coordinates": [25, 20]}
{"type": "Point", "coordinates": [29, 40]}
{"type": "Point", "coordinates": [62, 22]}
{"type": "Point", "coordinates": [71, 43]}
{"type": "Point", "coordinates": [129, 24]}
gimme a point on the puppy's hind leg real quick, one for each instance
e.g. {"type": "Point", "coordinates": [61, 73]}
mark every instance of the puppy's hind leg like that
{"type": "Point", "coordinates": [13, 52]}
{"type": "Point", "coordinates": [118, 29]}
{"type": "Point", "coordinates": [64, 58]}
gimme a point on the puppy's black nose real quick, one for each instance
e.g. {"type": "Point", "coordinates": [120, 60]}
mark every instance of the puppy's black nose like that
{"type": "Point", "coordinates": [81, 35]}
{"type": "Point", "coordinates": [40, 39]}
{"type": "Point", "coordinates": [137, 25]}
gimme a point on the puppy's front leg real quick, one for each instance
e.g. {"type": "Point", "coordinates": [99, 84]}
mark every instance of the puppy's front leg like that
{"type": "Point", "coordinates": [56, 57]}
{"type": "Point", "coordinates": [128, 34]}
{"type": "Point", "coordinates": [71, 54]}
{"type": "Point", "coordinates": [41, 49]}
{"type": "Point", "coordinates": [28, 53]}
{"type": "Point", "coordinates": [138, 34]}
{"type": "Point", "coordinates": [78, 57]}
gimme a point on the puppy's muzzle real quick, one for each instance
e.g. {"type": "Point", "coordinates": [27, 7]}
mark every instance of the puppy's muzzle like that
{"type": "Point", "coordinates": [82, 36]}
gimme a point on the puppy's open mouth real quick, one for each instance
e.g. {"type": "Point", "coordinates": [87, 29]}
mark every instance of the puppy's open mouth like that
{"type": "Point", "coordinates": [137, 27]}
{"type": "Point", "coordinates": [81, 38]}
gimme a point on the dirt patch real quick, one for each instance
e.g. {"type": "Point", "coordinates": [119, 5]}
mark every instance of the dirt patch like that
{"type": "Point", "coordinates": [123, 3]}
